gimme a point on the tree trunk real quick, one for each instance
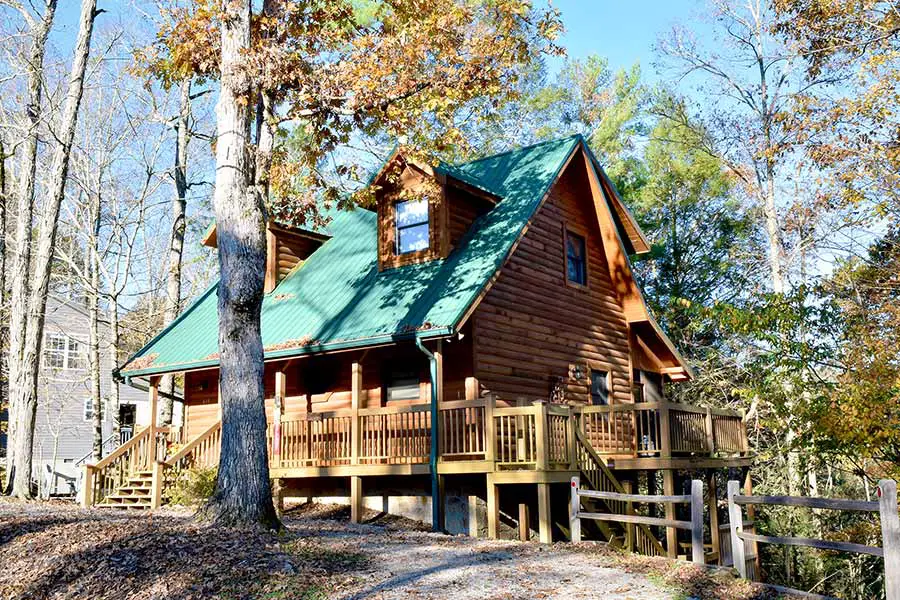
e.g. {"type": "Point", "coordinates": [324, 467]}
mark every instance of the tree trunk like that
{"type": "Point", "coordinates": [23, 388]}
{"type": "Point", "coordinates": [176, 238]}
{"type": "Point", "coordinates": [94, 338]}
{"type": "Point", "coordinates": [243, 496]}
{"type": "Point", "coordinates": [19, 447]}
{"type": "Point", "coordinates": [114, 401]}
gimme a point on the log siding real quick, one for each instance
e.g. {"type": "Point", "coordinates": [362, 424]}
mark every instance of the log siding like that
{"type": "Point", "coordinates": [532, 327]}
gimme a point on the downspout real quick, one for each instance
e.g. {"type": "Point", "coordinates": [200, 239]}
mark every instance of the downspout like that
{"type": "Point", "coordinates": [432, 458]}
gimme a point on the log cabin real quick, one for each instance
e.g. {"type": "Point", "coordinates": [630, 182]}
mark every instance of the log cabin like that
{"type": "Point", "coordinates": [461, 350]}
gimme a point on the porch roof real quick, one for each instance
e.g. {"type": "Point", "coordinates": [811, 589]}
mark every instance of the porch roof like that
{"type": "Point", "coordinates": [338, 299]}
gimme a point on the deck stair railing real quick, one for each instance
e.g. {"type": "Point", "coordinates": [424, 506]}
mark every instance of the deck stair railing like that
{"type": "Point", "coordinates": [599, 478]}
{"type": "Point", "coordinates": [134, 456]}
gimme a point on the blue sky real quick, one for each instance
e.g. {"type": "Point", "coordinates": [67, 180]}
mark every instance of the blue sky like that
{"type": "Point", "coordinates": [624, 31]}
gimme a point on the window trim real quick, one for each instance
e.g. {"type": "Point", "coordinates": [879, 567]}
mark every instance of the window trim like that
{"type": "Point", "coordinates": [69, 354]}
{"type": "Point", "coordinates": [599, 365]}
{"type": "Point", "coordinates": [571, 229]}
{"type": "Point", "coordinates": [398, 228]}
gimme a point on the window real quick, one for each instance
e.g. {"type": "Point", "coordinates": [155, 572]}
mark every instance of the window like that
{"type": "Point", "coordinates": [403, 385]}
{"type": "Point", "coordinates": [88, 409]}
{"type": "Point", "coordinates": [412, 226]}
{"type": "Point", "coordinates": [576, 266]}
{"type": "Point", "coordinates": [62, 352]}
{"type": "Point", "coordinates": [637, 388]}
{"type": "Point", "coordinates": [599, 387]}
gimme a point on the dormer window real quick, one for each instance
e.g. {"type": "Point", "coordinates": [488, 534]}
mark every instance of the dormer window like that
{"type": "Point", "coordinates": [412, 233]}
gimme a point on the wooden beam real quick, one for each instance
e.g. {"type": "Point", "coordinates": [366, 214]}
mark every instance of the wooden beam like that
{"type": "Point", "coordinates": [545, 531]}
{"type": "Point", "coordinates": [629, 510]}
{"type": "Point", "coordinates": [156, 485]}
{"type": "Point", "coordinates": [697, 551]}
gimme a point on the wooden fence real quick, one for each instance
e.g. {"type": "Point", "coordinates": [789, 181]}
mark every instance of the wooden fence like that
{"type": "Point", "coordinates": [886, 507]}
{"type": "Point", "coordinates": [694, 499]}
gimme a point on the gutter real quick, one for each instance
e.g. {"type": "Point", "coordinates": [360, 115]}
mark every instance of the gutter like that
{"type": "Point", "coordinates": [130, 382]}
{"type": "Point", "coordinates": [432, 457]}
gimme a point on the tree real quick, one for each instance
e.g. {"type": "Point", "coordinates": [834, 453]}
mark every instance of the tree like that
{"type": "Point", "coordinates": [704, 239]}
{"type": "Point", "coordinates": [335, 70]}
{"type": "Point", "coordinates": [29, 320]}
{"type": "Point", "coordinates": [19, 448]}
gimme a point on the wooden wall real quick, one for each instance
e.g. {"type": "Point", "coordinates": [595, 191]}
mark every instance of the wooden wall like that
{"type": "Point", "coordinates": [462, 210]}
{"type": "Point", "coordinates": [329, 377]}
{"type": "Point", "coordinates": [532, 327]}
{"type": "Point", "coordinates": [291, 249]}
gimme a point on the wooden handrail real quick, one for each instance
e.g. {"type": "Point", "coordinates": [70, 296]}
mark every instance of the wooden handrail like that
{"type": "Point", "coordinates": [189, 447]}
{"type": "Point", "coordinates": [109, 458]}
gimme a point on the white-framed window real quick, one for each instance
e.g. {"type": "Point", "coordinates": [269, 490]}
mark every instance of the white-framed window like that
{"type": "Point", "coordinates": [63, 352]}
{"type": "Point", "coordinates": [403, 385]}
{"type": "Point", "coordinates": [412, 226]}
{"type": "Point", "coordinates": [88, 409]}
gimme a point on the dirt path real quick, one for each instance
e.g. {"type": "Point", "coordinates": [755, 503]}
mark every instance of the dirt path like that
{"type": "Point", "coordinates": [58, 551]}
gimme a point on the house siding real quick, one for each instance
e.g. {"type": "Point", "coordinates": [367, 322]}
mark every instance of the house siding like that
{"type": "Point", "coordinates": [532, 327]}
{"type": "Point", "coordinates": [60, 427]}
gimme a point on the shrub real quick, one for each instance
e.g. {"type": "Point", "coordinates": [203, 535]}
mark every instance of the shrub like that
{"type": "Point", "coordinates": [192, 486]}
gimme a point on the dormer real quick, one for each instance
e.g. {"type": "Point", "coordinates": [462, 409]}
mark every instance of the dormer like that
{"type": "Point", "coordinates": [286, 249]}
{"type": "Point", "coordinates": [423, 212]}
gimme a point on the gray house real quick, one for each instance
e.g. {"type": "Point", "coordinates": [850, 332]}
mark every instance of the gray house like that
{"type": "Point", "coordinates": [64, 426]}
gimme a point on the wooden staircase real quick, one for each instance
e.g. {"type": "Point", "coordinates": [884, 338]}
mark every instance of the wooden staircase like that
{"type": "Point", "coordinates": [597, 476]}
{"type": "Point", "coordinates": [133, 475]}
{"type": "Point", "coordinates": [136, 494]}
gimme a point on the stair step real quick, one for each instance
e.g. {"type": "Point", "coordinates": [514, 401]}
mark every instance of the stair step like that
{"type": "Point", "coordinates": [138, 488]}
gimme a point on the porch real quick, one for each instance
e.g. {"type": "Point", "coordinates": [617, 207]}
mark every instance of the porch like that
{"type": "Point", "coordinates": [536, 443]}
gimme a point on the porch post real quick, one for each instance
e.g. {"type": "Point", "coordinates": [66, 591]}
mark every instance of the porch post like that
{"type": "Point", "coordinates": [355, 425]}
{"type": "Point", "coordinates": [153, 399]}
{"type": "Point", "coordinates": [277, 413]}
{"type": "Point", "coordinates": [665, 430]}
{"type": "Point", "coordinates": [542, 439]}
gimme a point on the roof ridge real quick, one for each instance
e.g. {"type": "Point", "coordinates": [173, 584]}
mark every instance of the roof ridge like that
{"type": "Point", "coordinates": [519, 149]}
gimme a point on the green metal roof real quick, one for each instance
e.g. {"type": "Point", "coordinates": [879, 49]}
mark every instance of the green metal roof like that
{"type": "Point", "coordinates": [338, 298]}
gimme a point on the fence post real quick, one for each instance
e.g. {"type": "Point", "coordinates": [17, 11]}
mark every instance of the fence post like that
{"type": "Point", "coordinates": [890, 537]}
{"type": "Point", "coordinates": [574, 508]}
{"type": "Point", "coordinates": [736, 522]}
{"type": "Point", "coordinates": [629, 510]}
{"type": "Point", "coordinates": [697, 553]}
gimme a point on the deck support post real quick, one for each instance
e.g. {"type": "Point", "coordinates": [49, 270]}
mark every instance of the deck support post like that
{"type": "Point", "coordinates": [355, 426]}
{"type": "Point", "coordinates": [474, 530]}
{"type": "Point", "coordinates": [713, 501]}
{"type": "Point", "coordinates": [493, 508]}
{"type": "Point", "coordinates": [671, 532]}
{"type": "Point", "coordinates": [524, 522]}
{"type": "Point", "coordinates": [751, 516]}
{"type": "Point", "coordinates": [356, 499]}
{"type": "Point", "coordinates": [545, 531]}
